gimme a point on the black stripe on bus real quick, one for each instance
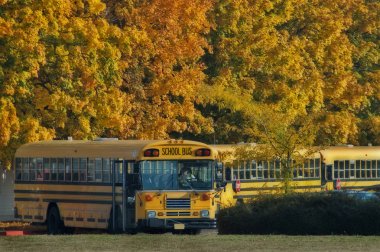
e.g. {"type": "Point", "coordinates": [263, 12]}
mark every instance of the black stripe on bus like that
{"type": "Point", "coordinates": [67, 192]}
{"type": "Point", "coordinates": [80, 201]}
{"type": "Point", "coordinates": [273, 188]}
{"type": "Point", "coordinates": [28, 217]}
{"type": "Point", "coordinates": [91, 219]}
{"type": "Point", "coordinates": [69, 218]}
{"type": "Point", "coordinates": [38, 217]}
{"type": "Point", "coordinates": [83, 183]}
{"type": "Point", "coordinates": [79, 219]}
{"type": "Point", "coordinates": [273, 180]}
{"type": "Point", "coordinates": [360, 187]}
{"type": "Point", "coordinates": [26, 199]}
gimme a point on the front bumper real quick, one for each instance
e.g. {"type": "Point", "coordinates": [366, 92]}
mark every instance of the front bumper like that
{"type": "Point", "coordinates": [169, 223]}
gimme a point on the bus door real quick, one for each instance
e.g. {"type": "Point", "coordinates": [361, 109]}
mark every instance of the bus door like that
{"type": "Point", "coordinates": [130, 185]}
{"type": "Point", "coordinates": [123, 218]}
{"type": "Point", "coordinates": [326, 175]}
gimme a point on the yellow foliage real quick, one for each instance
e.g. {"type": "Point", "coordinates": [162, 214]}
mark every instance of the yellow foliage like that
{"type": "Point", "coordinates": [151, 69]}
{"type": "Point", "coordinates": [9, 121]}
{"type": "Point", "coordinates": [32, 131]}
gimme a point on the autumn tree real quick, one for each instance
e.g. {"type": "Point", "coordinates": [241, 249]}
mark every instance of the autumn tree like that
{"type": "Point", "coordinates": [277, 135]}
{"type": "Point", "coordinates": [163, 69]}
{"type": "Point", "coordinates": [302, 57]}
{"type": "Point", "coordinates": [60, 72]}
{"type": "Point", "coordinates": [153, 69]}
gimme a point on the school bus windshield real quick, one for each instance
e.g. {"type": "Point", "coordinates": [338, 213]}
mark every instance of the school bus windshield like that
{"type": "Point", "coordinates": [176, 175]}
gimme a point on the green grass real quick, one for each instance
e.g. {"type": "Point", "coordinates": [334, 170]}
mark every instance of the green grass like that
{"type": "Point", "coordinates": [193, 243]}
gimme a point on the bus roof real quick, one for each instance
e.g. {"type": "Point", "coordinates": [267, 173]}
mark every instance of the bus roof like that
{"type": "Point", "coordinates": [329, 154]}
{"type": "Point", "coordinates": [125, 149]}
{"type": "Point", "coordinates": [350, 153]}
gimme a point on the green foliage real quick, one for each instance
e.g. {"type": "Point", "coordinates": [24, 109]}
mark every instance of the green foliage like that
{"type": "Point", "coordinates": [302, 214]}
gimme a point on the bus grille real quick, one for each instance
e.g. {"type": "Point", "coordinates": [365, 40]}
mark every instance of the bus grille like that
{"type": "Point", "coordinates": [177, 203]}
{"type": "Point", "coordinates": [178, 214]}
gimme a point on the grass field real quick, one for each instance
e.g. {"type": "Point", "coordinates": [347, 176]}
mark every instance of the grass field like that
{"type": "Point", "coordinates": [207, 241]}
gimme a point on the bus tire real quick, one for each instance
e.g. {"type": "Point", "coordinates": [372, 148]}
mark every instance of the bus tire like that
{"type": "Point", "coordinates": [54, 223]}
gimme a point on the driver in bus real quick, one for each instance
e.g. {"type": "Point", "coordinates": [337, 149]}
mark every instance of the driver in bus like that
{"type": "Point", "coordinates": [186, 176]}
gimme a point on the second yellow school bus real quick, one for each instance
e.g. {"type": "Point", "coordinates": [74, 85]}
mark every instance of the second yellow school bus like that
{"type": "Point", "coordinates": [352, 167]}
{"type": "Point", "coordinates": [122, 185]}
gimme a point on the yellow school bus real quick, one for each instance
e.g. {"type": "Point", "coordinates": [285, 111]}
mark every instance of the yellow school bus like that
{"type": "Point", "coordinates": [352, 167]}
{"type": "Point", "coordinates": [338, 167]}
{"type": "Point", "coordinates": [120, 185]}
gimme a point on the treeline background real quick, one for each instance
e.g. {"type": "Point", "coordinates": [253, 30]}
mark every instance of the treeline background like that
{"type": "Point", "coordinates": [154, 69]}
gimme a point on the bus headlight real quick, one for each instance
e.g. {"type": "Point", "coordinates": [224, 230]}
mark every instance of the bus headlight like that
{"type": "Point", "coordinates": [151, 214]}
{"type": "Point", "coordinates": [205, 213]}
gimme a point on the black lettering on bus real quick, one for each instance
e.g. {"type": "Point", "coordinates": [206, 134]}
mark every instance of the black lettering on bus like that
{"type": "Point", "coordinates": [186, 151]}
{"type": "Point", "coordinates": [171, 151]}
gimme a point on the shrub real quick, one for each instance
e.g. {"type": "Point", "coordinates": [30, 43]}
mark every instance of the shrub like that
{"type": "Point", "coordinates": [296, 214]}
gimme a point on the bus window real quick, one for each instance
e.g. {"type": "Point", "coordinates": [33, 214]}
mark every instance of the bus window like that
{"type": "Point", "coordinates": [132, 177]}
{"type": "Point", "coordinates": [363, 168]}
{"type": "Point", "coordinates": [271, 169]}
{"type": "Point", "coordinates": [68, 169]}
{"type": "Point", "coordinates": [46, 165]}
{"type": "Point", "coordinates": [82, 169]}
{"type": "Point", "coordinates": [18, 168]}
{"type": "Point", "coordinates": [54, 169]}
{"type": "Point", "coordinates": [317, 166]}
{"type": "Point", "coordinates": [312, 168]}
{"type": "Point", "coordinates": [253, 169]}
{"type": "Point", "coordinates": [378, 168]}
{"type": "Point", "coordinates": [91, 169]}
{"type": "Point", "coordinates": [299, 171]}
{"type": "Point", "coordinates": [266, 169]}
{"type": "Point", "coordinates": [352, 168]}
{"type": "Point", "coordinates": [374, 175]}
{"type": "Point", "coordinates": [61, 169]}
{"type": "Point", "coordinates": [241, 170]}
{"type": "Point", "coordinates": [119, 171]}
{"type": "Point", "coordinates": [357, 167]}
{"type": "Point", "coordinates": [368, 165]}
{"type": "Point", "coordinates": [259, 170]}
{"type": "Point", "coordinates": [106, 170]}
{"type": "Point", "coordinates": [32, 167]}
{"type": "Point", "coordinates": [98, 169]}
{"type": "Point", "coordinates": [336, 169]}
{"type": "Point", "coordinates": [278, 168]}
{"type": "Point", "coordinates": [306, 168]}
{"type": "Point", "coordinates": [346, 165]}
{"type": "Point", "coordinates": [341, 169]}
{"type": "Point", "coordinates": [248, 169]}
{"type": "Point", "coordinates": [39, 169]}
{"type": "Point", "coordinates": [75, 169]}
{"type": "Point", "coordinates": [25, 169]}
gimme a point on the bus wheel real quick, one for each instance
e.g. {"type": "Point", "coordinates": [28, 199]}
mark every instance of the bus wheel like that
{"type": "Point", "coordinates": [54, 223]}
